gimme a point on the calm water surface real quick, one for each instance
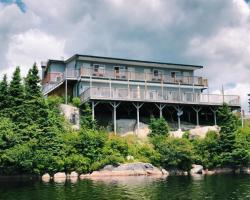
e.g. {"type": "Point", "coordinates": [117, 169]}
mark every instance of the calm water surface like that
{"type": "Point", "coordinates": [209, 187]}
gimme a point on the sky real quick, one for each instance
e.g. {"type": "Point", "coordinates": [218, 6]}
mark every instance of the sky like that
{"type": "Point", "coordinates": [214, 33]}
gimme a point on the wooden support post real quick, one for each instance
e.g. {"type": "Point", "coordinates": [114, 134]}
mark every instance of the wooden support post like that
{"type": "Point", "coordinates": [214, 112]}
{"type": "Point", "coordinates": [66, 86]}
{"type": "Point", "coordinates": [138, 106]}
{"type": "Point", "coordinates": [93, 109]}
{"type": "Point", "coordinates": [179, 113]}
{"type": "Point", "coordinates": [160, 107]}
{"type": "Point", "coordinates": [197, 110]}
{"type": "Point", "coordinates": [114, 105]}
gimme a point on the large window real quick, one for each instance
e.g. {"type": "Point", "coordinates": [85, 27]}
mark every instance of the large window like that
{"type": "Point", "coordinates": [120, 71]}
{"type": "Point", "coordinates": [98, 70]}
{"type": "Point", "coordinates": [157, 75]}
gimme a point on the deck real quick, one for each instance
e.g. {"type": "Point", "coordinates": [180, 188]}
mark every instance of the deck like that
{"type": "Point", "coordinates": [164, 96]}
{"type": "Point", "coordinates": [53, 79]}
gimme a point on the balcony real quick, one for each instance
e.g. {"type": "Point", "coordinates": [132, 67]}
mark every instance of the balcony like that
{"type": "Point", "coordinates": [149, 77]}
{"type": "Point", "coordinates": [163, 96]}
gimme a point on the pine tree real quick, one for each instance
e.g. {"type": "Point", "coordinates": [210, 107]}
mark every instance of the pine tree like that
{"type": "Point", "coordinates": [16, 97]}
{"type": "Point", "coordinates": [36, 107]}
{"type": "Point", "coordinates": [228, 123]}
{"type": "Point", "coordinates": [4, 95]}
{"type": "Point", "coordinates": [32, 83]}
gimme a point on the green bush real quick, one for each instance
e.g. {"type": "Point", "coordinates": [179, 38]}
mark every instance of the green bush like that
{"type": "Point", "coordinates": [116, 146]}
{"type": "Point", "coordinates": [186, 135]}
{"type": "Point", "coordinates": [206, 150]}
{"type": "Point", "coordinates": [76, 101]}
{"type": "Point", "coordinates": [174, 152]}
{"type": "Point", "coordinates": [158, 127]}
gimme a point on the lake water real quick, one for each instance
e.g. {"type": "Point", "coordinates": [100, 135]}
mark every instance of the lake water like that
{"type": "Point", "coordinates": [173, 187]}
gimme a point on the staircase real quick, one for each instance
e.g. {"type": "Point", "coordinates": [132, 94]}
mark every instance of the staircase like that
{"type": "Point", "coordinates": [51, 86]}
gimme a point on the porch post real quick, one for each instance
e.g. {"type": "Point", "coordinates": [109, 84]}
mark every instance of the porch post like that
{"type": "Point", "coordinates": [197, 110]}
{"type": "Point", "coordinates": [114, 105]}
{"type": "Point", "coordinates": [66, 86]}
{"type": "Point", "coordinates": [138, 106]}
{"type": "Point", "coordinates": [179, 113]}
{"type": "Point", "coordinates": [93, 109]}
{"type": "Point", "coordinates": [214, 112]}
{"type": "Point", "coordinates": [160, 107]}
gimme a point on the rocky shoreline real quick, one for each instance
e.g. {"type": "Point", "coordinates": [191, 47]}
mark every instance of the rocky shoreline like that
{"type": "Point", "coordinates": [130, 170]}
{"type": "Point", "coordinates": [139, 169]}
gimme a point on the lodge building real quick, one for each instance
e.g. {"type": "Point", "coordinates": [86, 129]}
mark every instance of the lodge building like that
{"type": "Point", "coordinates": [125, 88]}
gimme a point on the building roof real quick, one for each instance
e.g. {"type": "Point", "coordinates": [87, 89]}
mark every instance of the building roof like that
{"type": "Point", "coordinates": [132, 62]}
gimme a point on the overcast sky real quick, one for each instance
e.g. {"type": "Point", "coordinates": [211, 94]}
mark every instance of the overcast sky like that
{"type": "Point", "coordinates": [212, 33]}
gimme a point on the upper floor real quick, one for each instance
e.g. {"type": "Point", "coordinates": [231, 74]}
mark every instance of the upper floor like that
{"type": "Point", "coordinates": [95, 67]}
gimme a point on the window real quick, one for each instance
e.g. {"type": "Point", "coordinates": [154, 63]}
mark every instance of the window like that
{"type": "Point", "coordinates": [98, 70]}
{"type": "Point", "coordinates": [120, 71]}
{"type": "Point", "coordinates": [173, 74]}
{"type": "Point", "coordinates": [157, 72]}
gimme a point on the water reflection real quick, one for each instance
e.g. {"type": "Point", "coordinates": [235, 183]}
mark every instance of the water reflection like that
{"type": "Point", "coordinates": [140, 187]}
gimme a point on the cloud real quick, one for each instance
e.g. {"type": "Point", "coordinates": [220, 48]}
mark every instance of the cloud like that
{"type": "Point", "coordinates": [211, 33]}
{"type": "Point", "coordinates": [33, 44]}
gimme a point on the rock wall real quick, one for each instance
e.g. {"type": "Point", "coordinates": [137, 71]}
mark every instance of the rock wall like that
{"type": "Point", "coordinates": [72, 114]}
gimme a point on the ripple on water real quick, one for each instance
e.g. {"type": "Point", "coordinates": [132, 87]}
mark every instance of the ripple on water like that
{"type": "Point", "coordinates": [173, 187]}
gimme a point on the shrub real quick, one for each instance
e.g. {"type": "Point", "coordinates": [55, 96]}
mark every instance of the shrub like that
{"type": "Point", "coordinates": [116, 146]}
{"type": "Point", "coordinates": [158, 127]}
{"type": "Point", "coordinates": [76, 101]}
{"type": "Point", "coordinates": [206, 150]}
{"type": "Point", "coordinates": [174, 152]}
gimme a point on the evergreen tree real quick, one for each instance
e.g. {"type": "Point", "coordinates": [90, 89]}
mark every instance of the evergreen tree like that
{"type": "Point", "coordinates": [32, 83]}
{"type": "Point", "coordinates": [16, 97]}
{"type": "Point", "coordinates": [228, 123]}
{"type": "Point", "coordinates": [4, 103]}
{"type": "Point", "coordinates": [35, 105]}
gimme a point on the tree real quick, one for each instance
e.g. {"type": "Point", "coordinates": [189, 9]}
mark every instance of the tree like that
{"type": "Point", "coordinates": [229, 124]}
{"type": "Point", "coordinates": [16, 97]}
{"type": "Point", "coordinates": [35, 105]}
{"type": "Point", "coordinates": [32, 83]}
{"type": "Point", "coordinates": [4, 95]}
{"type": "Point", "coordinates": [158, 127]}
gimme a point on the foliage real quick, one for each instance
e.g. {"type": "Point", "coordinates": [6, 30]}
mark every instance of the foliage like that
{"type": "Point", "coordinates": [186, 135]}
{"type": "Point", "coordinates": [206, 150]}
{"type": "Point", "coordinates": [4, 101]}
{"type": "Point", "coordinates": [229, 124]}
{"type": "Point", "coordinates": [174, 152]}
{"type": "Point", "coordinates": [35, 137]}
{"type": "Point", "coordinates": [158, 127]}
{"type": "Point", "coordinates": [86, 117]}
{"type": "Point", "coordinates": [76, 101]}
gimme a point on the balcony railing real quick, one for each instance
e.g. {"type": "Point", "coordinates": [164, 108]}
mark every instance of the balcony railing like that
{"type": "Point", "coordinates": [163, 96]}
{"type": "Point", "coordinates": [136, 76]}
{"type": "Point", "coordinates": [126, 75]}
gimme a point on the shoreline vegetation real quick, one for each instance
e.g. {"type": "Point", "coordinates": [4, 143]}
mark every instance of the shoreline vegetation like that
{"type": "Point", "coordinates": [36, 139]}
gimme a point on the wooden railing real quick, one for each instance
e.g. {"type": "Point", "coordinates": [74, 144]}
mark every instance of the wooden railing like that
{"type": "Point", "coordinates": [164, 96]}
{"type": "Point", "coordinates": [150, 77]}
